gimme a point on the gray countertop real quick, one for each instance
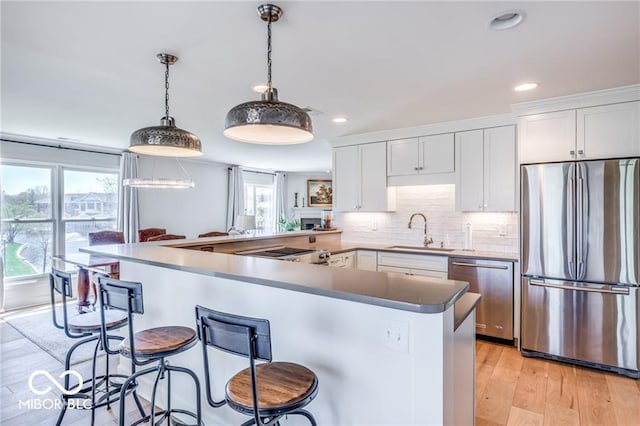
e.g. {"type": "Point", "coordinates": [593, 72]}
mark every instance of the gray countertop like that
{"type": "Point", "coordinates": [346, 246]}
{"type": "Point", "coordinates": [390, 290]}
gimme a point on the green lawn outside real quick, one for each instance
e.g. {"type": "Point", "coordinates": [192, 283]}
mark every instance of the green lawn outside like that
{"type": "Point", "coordinates": [14, 265]}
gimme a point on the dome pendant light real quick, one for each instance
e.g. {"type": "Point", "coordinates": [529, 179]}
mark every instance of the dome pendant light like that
{"type": "Point", "coordinates": [165, 140]}
{"type": "Point", "coordinates": [268, 121]}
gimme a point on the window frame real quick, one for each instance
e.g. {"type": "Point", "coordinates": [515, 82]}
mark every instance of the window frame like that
{"type": "Point", "coordinates": [57, 206]}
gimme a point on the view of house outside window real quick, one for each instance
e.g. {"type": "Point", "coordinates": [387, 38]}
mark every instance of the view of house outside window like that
{"type": "Point", "coordinates": [259, 199]}
{"type": "Point", "coordinates": [41, 218]}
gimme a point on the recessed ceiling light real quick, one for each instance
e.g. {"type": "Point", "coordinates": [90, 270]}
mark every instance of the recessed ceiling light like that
{"type": "Point", "coordinates": [340, 119]}
{"type": "Point", "coordinates": [260, 88]}
{"type": "Point", "coordinates": [525, 86]}
{"type": "Point", "coordinates": [507, 19]}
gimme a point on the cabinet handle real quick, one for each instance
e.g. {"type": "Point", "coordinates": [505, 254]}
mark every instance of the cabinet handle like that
{"type": "Point", "coordinates": [479, 206]}
{"type": "Point", "coordinates": [580, 152]}
{"type": "Point", "coordinates": [485, 206]}
{"type": "Point", "coordinates": [572, 153]}
{"type": "Point", "coordinates": [421, 168]}
{"type": "Point", "coordinates": [416, 168]}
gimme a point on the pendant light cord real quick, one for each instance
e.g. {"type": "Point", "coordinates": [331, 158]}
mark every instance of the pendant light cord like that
{"type": "Point", "coordinates": [269, 53]}
{"type": "Point", "coordinates": [166, 90]}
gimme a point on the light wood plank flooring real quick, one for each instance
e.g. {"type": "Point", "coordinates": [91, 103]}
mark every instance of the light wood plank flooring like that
{"type": "Point", "coordinates": [19, 357]}
{"type": "Point", "coordinates": [510, 389]}
{"type": "Point", "coordinates": [514, 390]}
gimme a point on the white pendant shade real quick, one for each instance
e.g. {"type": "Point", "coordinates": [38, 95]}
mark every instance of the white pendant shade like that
{"type": "Point", "coordinates": [268, 134]}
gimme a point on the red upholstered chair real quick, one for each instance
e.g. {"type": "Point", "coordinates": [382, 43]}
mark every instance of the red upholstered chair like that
{"type": "Point", "coordinates": [145, 234]}
{"type": "Point", "coordinates": [167, 237]}
{"type": "Point", "coordinates": [106, 237]}
{"type": "Point", "coordinates": [101, 238]}
{"type": "Point", "coordinates": [213, 234]}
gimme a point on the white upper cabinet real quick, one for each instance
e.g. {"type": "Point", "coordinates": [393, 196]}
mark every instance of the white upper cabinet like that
{"type": "Point", "coordinates": [609, 131]}
{"type": "Point", "coordinates": [581, 134]}
{"type": "Point", "coordinates": [487, 172]}
{"type": "Point", "coordinates": [547, 137]}
{"type": "Point", "coordinates": [402, 157]}
{"type": "Point", "coordinates": [424, 155]}
{"type": "Point", "coordinates": [360, 178]}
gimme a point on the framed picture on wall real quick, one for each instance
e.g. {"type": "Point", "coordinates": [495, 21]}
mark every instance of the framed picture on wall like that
{"type": "Point", "coordinates": [319, 193]}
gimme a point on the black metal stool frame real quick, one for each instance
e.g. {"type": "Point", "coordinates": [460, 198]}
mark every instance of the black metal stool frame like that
{"type": "Point", "coordinates": [60, 282]}
{"type": "Point", "coordinates": [127, 296]}
{"type": "Point", "coordinates": [249, 338]}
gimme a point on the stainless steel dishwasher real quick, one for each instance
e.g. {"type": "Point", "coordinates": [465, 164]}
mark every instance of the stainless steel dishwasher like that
{"type": "Point", "coordinates": [493, 280]}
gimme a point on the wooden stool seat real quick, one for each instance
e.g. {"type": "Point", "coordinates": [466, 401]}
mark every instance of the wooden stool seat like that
{"type": "Point", "coordinates": [280, 384]}
{"type": "Point", "coordinates": [90, 321]}
{"type": "Point", "coordinates": [160, 340]}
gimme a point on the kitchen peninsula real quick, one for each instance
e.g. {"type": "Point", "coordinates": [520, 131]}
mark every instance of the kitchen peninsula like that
{"type": "Point", "coordinates": [387, 348]}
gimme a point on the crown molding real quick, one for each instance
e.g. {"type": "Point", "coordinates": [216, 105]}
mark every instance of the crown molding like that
{"type": "Point", "coordinates": [426, 130]}
{"type": "Point", "coordinates": [580, 100]}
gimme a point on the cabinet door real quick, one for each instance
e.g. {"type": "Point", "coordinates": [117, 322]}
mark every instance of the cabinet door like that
{"type": "Point", "coordinates": [470, 181]}
{"type": "Point", "coordinates": [373, 177]}
{"type": "Point", "coordinates": [547, 137]}
{"type": "Point", "coordinates": [367, 260]}
{"type": "Point", "coordinates": [437, 154]}
{"type": "Point", "coordinates": [500, 169]}
{"type": "Point", "coordinates": [609, 131]}
{"type": "Point", "coordinates": [346, 178]}
{"type": "Point", "coordinates": [402, 157]}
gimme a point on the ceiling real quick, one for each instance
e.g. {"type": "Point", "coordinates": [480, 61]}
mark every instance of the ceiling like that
{"type": "Point", "coordinates": [86, 71]}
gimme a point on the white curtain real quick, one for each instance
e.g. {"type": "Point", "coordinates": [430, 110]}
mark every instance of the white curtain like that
{"type": "Point", "coordinates": [235, 196]}
{"type": "Point", "coordinates": [128, 208]}
{"type": "Point", "coordinates": [280, 192]}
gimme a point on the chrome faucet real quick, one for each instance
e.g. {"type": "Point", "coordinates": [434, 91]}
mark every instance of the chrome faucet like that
{"type": "Point", "coordinates": [426, 241]}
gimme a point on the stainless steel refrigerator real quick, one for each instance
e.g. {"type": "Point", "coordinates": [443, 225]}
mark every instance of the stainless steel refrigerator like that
{"type": "Point", "coordinates": [580, 225]}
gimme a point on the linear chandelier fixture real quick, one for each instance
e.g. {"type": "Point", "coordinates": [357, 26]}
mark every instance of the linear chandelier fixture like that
{"type": "Point", "coordinates": [160, 183]}
{"type": "Point", "coordinates": [268, 121]}
{"type": "Point", "coordinates": [165, 140]}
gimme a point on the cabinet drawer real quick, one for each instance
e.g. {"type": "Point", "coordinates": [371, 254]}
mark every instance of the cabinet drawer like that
{"type": "Point", "coordinates": [415, 261]}
{"type": "Point", "coordinates": [413, 271]}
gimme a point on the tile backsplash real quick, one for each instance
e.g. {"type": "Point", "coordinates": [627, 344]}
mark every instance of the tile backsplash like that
{"type": "Point", "coordinates": [496, 232]}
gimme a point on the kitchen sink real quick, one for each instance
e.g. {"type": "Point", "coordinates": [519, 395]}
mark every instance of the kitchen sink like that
{"type": "Point", "coordinates": [420, 248]}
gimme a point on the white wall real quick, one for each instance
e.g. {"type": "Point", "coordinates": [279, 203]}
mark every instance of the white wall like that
{"type": "Point", "coordinates": [184, 211]}
{"type": "Point", "coordinates": [297, 182]}
{"type": "Point", "coordinates": [491, 231]}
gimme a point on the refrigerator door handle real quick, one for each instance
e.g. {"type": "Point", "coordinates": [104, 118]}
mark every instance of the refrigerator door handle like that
{"type": "Point", "coordinates": [617, 290]}
{"type": "Point", "coordinates": [580, 209]}
{"type": "Point", "coordinates": [571, 215]}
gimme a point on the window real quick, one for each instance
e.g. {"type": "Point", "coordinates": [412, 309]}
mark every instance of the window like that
{"type": "Point", "coordinates": [49, 210]}
{"type": "Point", "coordinates": [27, 219]}
{"type": "Point", "coordinates": [90, 204]}
{"type": "Point", "coordinates": [259, 199]}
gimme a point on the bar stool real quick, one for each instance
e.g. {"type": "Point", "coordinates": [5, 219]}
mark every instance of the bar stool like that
{"type": "Point", "coordinates": [148, 346]}
{"type": "Point", "coordinates": [88, 327]}
{"type": "Point", "coordinates": [276, 388]}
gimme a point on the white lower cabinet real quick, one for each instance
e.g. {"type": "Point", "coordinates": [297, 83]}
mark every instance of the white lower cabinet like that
{"type": "Point", "coordinates": [343, 260]}
{"type": "Point", "coordinates": [413, 264]}
{"type": "Point", "coordinates": [367, 260]}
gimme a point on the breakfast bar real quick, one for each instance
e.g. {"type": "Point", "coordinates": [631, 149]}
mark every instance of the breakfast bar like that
{"type": "Point", "coordinates": [348, 326]}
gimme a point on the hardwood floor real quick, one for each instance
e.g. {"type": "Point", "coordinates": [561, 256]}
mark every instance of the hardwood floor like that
{"type": "Point", "coordinates": [510, 390]}
{"type": "Point", "coordinates": [514, 390]}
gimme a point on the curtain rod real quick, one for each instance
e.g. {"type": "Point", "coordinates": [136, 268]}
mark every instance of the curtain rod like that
{"type": "Point", "coordinates": [255, 171]}
{"type": "Point", "coordinates": [60, 147]}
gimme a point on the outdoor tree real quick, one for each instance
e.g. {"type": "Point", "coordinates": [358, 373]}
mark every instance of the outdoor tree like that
{"type": "Point", "coordinates": [109, 184]}
{"type": "Point", "coordinates": [42, 238]}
